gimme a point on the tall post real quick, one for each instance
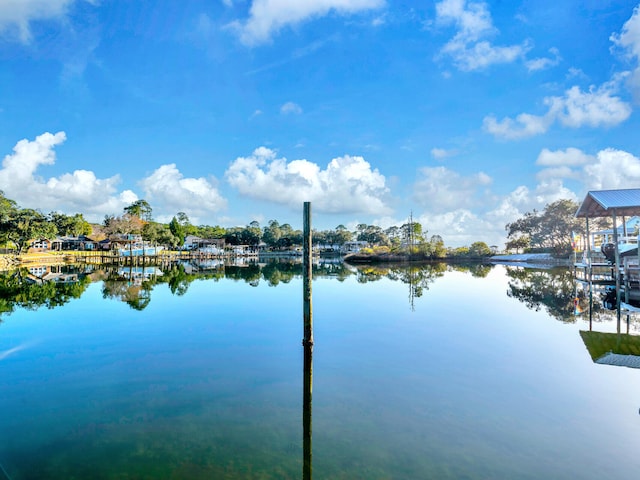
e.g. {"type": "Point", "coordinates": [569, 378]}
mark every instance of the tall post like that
{"type": "Point", "coordinates": [307, 341]}
{"type": "Point", "coordinates": [307, 259]}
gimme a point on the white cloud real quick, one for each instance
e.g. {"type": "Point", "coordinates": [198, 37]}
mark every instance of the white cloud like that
{"type": "Point", "coordinates": [169, 192]}
{"type": "Point", "coordinates": [629, 41]}
{"type": "Point", "coordinates": [525, 125]}
{"type": "Point", "coordinates": [463, 210]}
{"type": "Point", "coordinates": [267, 17]}
{"type": "Point", "coordinates": [569, 157]}
{"type": "Point", "coordinates": [562, 164]}
{"type": "Point", "coordinates": [441, 153]}
{"type": "Point", "coordinates": [441, 189]}
{"type": "Point", "coordinates": [76, 192]}
{"type": "Point", "coordinates": [16, 15]}
{"type": "Point", "coordinates": [598, 107]}
{"type": "Point", "coordinates": [543, 63]}
{"type": "Point", "coordinates": [469, 48]}
{"type": "Point", "coordinates": [346, 185]}
{"type": "Point", "coordinates": [608, 169]}
{"type": "Point", "coordinates": [291, 108]}
{"type": "Point", "coordinates": [612, 169]}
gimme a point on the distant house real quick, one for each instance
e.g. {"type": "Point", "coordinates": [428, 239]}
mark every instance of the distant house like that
{"type": "Point", "coordinates": [81, 242]}
{"type": "Point", "coordinates": [119, 241]}
{"type": "Point", "coordinates": [353, 246]}
{"type": "Point", "coordinates": [243, 250]}
{"type": "Point", "coordinates": [192, 242]}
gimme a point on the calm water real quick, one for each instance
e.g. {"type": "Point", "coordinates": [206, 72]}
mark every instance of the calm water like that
{"type": "Point", "coordinates": [427, 373]}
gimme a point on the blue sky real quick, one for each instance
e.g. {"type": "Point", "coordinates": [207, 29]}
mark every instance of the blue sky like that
{"type": "Point", "coordinates": [466, 114]}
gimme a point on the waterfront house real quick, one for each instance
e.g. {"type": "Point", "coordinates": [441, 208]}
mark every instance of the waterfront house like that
{"type": "Point", "coordinates": [40, 245]}
{"type": "Point", "coordinates": [193, 242]}
{"type": "Point", "coordinates": [353, 246]}
{"type": "Point", "coordinates": [81, 242]}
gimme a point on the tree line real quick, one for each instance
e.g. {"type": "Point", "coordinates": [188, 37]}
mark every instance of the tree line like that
{"type": "Point", "coordinates": [553, 229]}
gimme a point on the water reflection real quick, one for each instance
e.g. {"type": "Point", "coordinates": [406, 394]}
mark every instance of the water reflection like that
{"type": "Point", "coordinates": [47, 287]}
{"type": "Point", "coordinates": [213, 390]}
{"type": "Point", "coordinates": [553, 290]}
{"type": "Point", "coordinates": [54, 286]}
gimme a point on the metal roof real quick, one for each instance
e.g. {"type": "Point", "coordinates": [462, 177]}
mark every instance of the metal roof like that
{"type": "Point", "coordinates": [603, 203]}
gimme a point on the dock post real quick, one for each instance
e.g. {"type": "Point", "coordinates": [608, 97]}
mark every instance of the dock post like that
{"type": "Point", "coordinates": [307, 342]}
{"type": "Point", "coordinates": [307, 259]}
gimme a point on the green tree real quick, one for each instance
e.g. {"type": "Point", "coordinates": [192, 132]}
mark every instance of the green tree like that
{"type": "Point", "coordinates": [479, 249]}
{"type": "Point", "coordinates": [271, 233]}
{"type": "Point", "coordinates": [207, 231]}
{"type": "Point", "coordinates": [436, 246]}
{"type": "Point", "coordinates": [177, 230]}
{"type": "Point", "coordinates": [343, 235]}
{"type": "Point", "coordinates": [26, 225]}
{"type": "Point", "coordinates": [518, 244]}
{"type": "Point", "coordinates": [140, 209]}
{"type": "Point", "coordinates": [550, 229]}
{"type": "Point", "coordinates": [372, 234]}
{"type": "Point", "coordinates": [155, 232]}
{"type": "Point", "coordinates": [70, 225]}
{"type": "Point", "coordinates": [8, 209]}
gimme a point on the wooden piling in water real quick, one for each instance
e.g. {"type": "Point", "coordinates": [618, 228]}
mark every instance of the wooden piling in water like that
{"type": "Point", "coordinates": [307, 270]}
{"type": "Point", "coordinates": [307, 259]}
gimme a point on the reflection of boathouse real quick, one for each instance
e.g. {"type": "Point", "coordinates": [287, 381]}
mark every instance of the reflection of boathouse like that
{"type": "Point", "coordinates": [616, 349]}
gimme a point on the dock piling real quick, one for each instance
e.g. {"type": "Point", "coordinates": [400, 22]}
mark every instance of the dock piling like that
{"type": "Point", "coordinates": [307, 246]}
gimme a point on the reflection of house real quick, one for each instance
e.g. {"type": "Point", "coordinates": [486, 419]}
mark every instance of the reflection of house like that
{"type": "Point", "coordinates": [622, 350]}
{"type": "Point", "coordinates": [50, 273]}
{"type": "Point", "coordinates": [138, 275]}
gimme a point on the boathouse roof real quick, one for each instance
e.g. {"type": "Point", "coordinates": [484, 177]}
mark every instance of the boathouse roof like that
{"type": "Point", "coordinates": [603, 203]}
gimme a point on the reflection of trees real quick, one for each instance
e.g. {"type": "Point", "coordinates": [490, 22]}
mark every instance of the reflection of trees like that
{"type": "Point", "coordinates": [136, 294]}
{"type": "Point", "coordinates": [478, 270]}
{"type": "Point", "coordinates": [418, 277]}
{"type": "Point", "coordinates": [553, 289]}
{"type": "Point", "coordinates": [134, 285]}
{"type": "Point", "coordinates": [19, 289]}
{"type": "Point", "coordinates": [249, 273]}
{"type": "Point", "coordinates": [280, 272]}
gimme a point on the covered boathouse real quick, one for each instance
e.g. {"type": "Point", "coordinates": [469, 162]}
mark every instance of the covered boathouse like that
{"type": "Point", "coordinates": [617, 205]}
